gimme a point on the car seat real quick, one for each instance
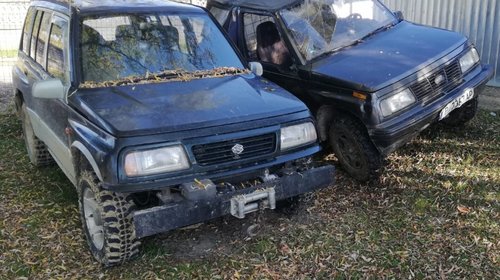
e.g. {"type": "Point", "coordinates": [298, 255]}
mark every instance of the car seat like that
{"type": "Point", "coordinates": [270, 46]}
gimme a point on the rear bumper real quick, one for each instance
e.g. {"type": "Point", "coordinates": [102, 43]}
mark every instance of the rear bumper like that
{"type": "Point", "coordinates": [393, 134]}
{"type": "Point", "coordinates": [184, 213]}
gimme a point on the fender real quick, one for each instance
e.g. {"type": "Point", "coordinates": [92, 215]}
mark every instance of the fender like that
{"type": "Point", "coordinates": [86, 153]}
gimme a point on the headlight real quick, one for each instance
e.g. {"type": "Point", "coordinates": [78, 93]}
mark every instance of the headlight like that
{"type": "Point", "coordinates": [397, 102]}
{"type": "Point", "coordinates": [469, 60]}
{"type": "Point", "coordinates": [156, 161]}
{"type": "Point", "coordinates": [298, 135]}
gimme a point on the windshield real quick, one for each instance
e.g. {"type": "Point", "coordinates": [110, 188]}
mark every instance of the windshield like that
{"type": "Point", "coordinates": [153, 46]}
{"type": "Point", "coordinates": [321, 26]}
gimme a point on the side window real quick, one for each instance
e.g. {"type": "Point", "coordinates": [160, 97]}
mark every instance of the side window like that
{"type": "Point", "coordinates": [34, 34]}
{"type": "Point", "coordinates": [56, 57]}
{"type": "Point", "coordinates": [219, 14]}
{"type": "Point", "coordinates": [251, 22]}
{"type": "Point", "coordinates": [28, 26]}
{"type": "Point", "coordinates": [264, 41]}
{"type": "Point", "coordinates": [43, 36]}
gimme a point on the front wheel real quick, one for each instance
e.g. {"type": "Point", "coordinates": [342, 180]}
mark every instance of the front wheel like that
{"type": "Point", "coordinates": [354, 150]}
{"type": "Point", "coordinates": [107, 221]}
{"type": "Point", "coordinates": [462, 115]}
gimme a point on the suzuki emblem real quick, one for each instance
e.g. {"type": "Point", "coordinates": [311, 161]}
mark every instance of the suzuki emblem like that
{"type": "Point", "coordinates": [237, 149]}
{"type": "Point", "coordinates": [439, 79]}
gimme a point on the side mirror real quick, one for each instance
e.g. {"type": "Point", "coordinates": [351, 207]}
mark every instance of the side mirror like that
{"type": "Point", "coordinates": [48, 89]}
{"type": "Point", "coordinates": [399, 15]}
{"type": "Point", "coordinates": [256, 68]}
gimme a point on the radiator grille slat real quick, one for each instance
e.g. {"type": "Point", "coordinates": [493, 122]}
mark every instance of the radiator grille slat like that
{"type": "Point", "coordinates": [439, 82]}
{"type": "Point", "coordinates": [221, 152]}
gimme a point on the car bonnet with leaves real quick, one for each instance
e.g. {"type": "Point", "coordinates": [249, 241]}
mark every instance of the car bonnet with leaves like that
{"type": "Point", "coordinates": [174, 81]}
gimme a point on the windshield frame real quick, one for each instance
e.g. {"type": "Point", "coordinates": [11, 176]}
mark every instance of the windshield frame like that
{"type": "Point", "coordinates": [79, 18]}
{"type": "Point", "coordinates": [393, 20]}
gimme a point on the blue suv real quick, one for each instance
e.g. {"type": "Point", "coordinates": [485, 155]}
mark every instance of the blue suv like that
{"type": "Point", "coordinates": [156, 119]}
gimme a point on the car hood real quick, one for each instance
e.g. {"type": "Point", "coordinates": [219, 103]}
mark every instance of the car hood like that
{"type": "Point", "coordinates": [145, 109]}
{"type": "Point", "coordinates": [387, 57]}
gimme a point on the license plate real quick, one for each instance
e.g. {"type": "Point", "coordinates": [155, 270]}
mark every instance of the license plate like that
{"type": "Point", "coordinates": [457, 103]}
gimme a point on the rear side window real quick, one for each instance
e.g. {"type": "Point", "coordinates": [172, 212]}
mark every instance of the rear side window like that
{"type": "Point", "coordinates": [28, 26]}
{"type": "Point", "coordinates": [34, 34]}
{"type": "Point", "coordinates": [56, 58]}
{"type": "Point", "coordinates": [43, 36]}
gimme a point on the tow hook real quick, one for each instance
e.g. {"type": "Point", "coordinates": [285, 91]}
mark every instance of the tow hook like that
{"type": "Point", "coordinates": [248, 203]}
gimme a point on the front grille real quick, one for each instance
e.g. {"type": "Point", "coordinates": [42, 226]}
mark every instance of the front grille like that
{"type": "Point", "coordinates": [221, 152]}
{"type": "Point", "coordinates": [428, 90]}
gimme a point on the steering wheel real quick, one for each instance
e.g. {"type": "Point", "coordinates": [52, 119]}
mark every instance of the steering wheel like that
{"type": "Point", "coordinates": [355, 16]}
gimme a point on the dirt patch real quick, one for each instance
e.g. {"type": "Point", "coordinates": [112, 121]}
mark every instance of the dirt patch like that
{"type": "Point", "coordinates": [228, 236]}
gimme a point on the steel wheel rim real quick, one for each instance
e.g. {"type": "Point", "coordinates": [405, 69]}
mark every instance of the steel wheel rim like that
{"type": "Point", "coordinates": [348, 152]}
{"type": "Point", "coordinates": [93, 219]}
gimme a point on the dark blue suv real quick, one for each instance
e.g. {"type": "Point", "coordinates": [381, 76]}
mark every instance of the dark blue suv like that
{"type": "Point", "coordinates": [156, 119]}
{"type": "Point", "coordinates": [372, 79]}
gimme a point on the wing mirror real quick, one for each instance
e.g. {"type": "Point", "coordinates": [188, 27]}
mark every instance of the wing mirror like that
{"type": "Point", "coordinates": [256, 68]}
{"type": "Point", "coordinates": [399, 15]}
{"type": "Point", "coordinates": [48, 89]}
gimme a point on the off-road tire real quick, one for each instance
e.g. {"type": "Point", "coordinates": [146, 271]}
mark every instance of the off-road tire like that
{"type": "Point", "coordinates": [37, 150]}
{"type": "Point", "coordinates": [462, 115]}
{"type": "Point", "coordinates": [116, 213]}
{"type": "Point", "coordinates": [356, 153]}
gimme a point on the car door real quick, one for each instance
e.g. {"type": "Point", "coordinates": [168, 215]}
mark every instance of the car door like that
{"type": "Point", "coordinates": [50, 60]}
{"type": "Point", "coordinates": [263, 41]}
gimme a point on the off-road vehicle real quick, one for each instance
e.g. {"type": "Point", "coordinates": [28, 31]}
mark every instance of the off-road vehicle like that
{"type": "Point", "coordinates": [154, 117]}
{"type": "Point", "coordinates": [372, 79]}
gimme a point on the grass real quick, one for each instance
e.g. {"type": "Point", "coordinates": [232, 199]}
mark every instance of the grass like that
{"type": "Point", "coordinates": [8, 53]}
{"type": "Point", "coordinates": [434, 214]}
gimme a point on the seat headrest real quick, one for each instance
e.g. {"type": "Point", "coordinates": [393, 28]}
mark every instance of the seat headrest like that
{"type": "Point", "coordinates": [172, 37]}
{"type": "Point", "coordinates": [126, 31]}
{"type": "Point", "coordinates": [90, 35]}
{"type": "Point", "coordinates": [267, 34]}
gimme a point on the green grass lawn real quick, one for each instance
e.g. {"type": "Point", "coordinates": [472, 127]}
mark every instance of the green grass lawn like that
{"type": "Point", "coordinates": [8, 53]}
{"type": "Point", "coordinates": [434, 214]}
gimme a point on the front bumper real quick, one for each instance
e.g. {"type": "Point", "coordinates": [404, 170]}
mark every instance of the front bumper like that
{"type": "Point", "coordinates": [399, 131]}
{"type": "Point", "coordinates": [250, 167]}
{"type": "Point", "coordinates": [185, 212]}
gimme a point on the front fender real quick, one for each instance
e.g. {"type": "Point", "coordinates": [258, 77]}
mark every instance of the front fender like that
{"type": "Point", "coordinates": [88, 156]}
{"type": "Point", "coordinates": [96, 146]}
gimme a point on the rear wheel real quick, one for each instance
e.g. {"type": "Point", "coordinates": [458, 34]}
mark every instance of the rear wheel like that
{"type": "Point", "coordinates": [356, 153]}
{"type": "Point", "coordinates": [37, 150]}
{"type": "Point", "coordinates": [463, 114]}
{"type": "Point", "coordinates": [107, 221]}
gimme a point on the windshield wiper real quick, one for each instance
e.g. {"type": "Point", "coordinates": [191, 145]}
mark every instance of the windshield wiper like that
{"type": "Point", "coordinates": [380, 29]}
{"type": "Point", "coordinates": [355, 42]}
